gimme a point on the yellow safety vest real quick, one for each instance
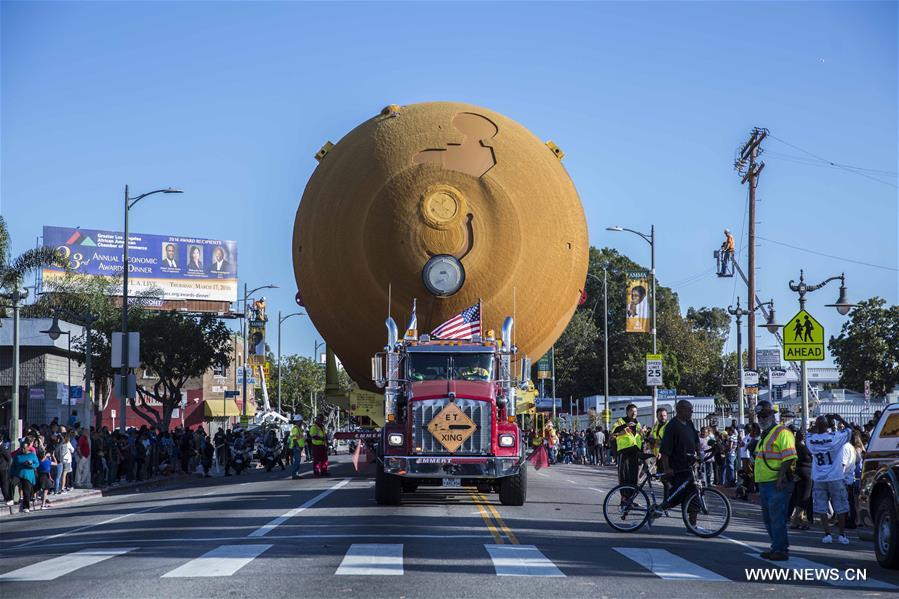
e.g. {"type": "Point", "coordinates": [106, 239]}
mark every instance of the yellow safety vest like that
{"type": "Point", "coordinates": [626, 439]}
{"type": "Point", "coordinates": [657, 433]}
{"type": "Point", "coordinates": [296, 438]}
{"type": "Point", "coordinates": [772, 453]}
{"type": "Point", "coordinates": [317, 431]}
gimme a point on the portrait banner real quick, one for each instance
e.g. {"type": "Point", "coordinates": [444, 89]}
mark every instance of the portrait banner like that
{"type": "Point", "coordinates": [637, 309]}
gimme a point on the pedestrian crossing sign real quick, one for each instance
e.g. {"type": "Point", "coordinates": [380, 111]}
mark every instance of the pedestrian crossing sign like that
{"type": "Point", "coordinates": [803, 339]}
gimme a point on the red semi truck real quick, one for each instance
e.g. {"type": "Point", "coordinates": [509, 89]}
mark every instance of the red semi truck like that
{"type": "Point", "coordinates": [450, 416]}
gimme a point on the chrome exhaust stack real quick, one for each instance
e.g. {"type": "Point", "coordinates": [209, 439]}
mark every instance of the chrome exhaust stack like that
{"type": "Point", "coordinates": [506, 365]}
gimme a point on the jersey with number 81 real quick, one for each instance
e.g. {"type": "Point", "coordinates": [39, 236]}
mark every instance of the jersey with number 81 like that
{"type": "Point", "coordinates": [827, 454]}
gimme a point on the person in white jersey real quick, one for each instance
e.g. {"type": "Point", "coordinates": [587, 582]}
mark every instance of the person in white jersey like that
{"type": "Point", "coordinates": [825, 443]}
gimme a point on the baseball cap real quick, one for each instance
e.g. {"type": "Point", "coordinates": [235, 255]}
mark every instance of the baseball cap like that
{"type": "Point", "coordinates": [763, 406]}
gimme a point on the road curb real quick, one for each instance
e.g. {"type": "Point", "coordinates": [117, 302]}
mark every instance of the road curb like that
{"type": "Point", "coordinates": [88, 494]}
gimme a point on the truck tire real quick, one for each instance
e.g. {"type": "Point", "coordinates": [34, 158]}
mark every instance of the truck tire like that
{"type": "Point", "coordinates": [886, 534]}
{"type": "Point", "coordinates": [513, 490]}
{"type": "Point", "coordinates": [388, 488]}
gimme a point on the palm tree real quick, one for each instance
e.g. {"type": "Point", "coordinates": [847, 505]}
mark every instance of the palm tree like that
{"type": "Point", "coordinates": [14, 270]}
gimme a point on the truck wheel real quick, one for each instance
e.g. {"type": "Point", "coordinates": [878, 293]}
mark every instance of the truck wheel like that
{"type": "Point", "coordinates": [388, 488]}
{"type": "Point", "coordinates": [513, 490]}
{"type": "Point", "coordinates": [886, 534]}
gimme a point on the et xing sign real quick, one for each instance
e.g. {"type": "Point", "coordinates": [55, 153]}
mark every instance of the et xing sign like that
{"type": "Point", "coordinates": [803, 339]}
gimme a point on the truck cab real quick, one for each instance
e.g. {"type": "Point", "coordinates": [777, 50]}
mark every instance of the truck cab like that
{"type": "Point", "coordinates": [449, 416]}
{"type": "Point", "coordinates": [878, 502]}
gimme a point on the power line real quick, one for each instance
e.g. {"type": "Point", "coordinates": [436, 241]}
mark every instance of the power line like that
{"type": "Point", "coordinates": [802, 249]}
{"type": "Point", "coordinates": [849, 169]}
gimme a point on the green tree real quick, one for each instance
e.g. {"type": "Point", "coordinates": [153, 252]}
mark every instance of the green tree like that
{"type": "Point", "coordinates": [691, 346]}
{"type": "Point", "coordinates": [177, 348]}
{"type": "Point", "coordinates": [867, 348]}
{"type": "Point", "coordinates": [14, 270]}
{"type": "Point", "coordinates": [301, 377]}
{"type": "Point", "coordinates": [80, 294]}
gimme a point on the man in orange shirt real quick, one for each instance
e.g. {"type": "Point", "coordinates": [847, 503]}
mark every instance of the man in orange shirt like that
{"type": "Point", "coordinates": [727, 251]}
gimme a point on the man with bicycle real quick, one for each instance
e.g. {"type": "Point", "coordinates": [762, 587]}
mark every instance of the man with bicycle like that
{"type": "Point", "coordinates": [678, 455]}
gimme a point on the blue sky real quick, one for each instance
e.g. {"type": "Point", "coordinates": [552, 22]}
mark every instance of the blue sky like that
{"type": "Point", "coordinates": [229, 101]}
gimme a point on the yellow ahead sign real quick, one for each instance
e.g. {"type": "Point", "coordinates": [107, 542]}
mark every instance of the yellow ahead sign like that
{"type": "Point", "coordinates": [803, 339]}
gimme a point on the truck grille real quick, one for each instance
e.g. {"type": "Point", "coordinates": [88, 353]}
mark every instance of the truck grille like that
{"type": "Point", "coordinates": [424, 411]}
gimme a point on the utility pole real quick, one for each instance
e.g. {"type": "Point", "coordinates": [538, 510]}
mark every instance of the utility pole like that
{"type": "Point", "coordinates": [750, 170]}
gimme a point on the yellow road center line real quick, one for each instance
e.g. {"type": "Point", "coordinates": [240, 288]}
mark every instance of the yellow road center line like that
{"type": "Point", "coordinates": [500, 522]}
{"type": "Point", "coordinates": [496, 535]}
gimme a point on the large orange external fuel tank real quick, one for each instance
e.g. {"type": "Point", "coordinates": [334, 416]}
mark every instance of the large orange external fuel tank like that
{"type": "Point", "coordinates": [446, 203]}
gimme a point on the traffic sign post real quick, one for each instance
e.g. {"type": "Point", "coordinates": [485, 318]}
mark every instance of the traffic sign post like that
{"type": "Point", "coordinates": [750, 379]}
{"type": "Point", "coordinates": [803, 342]}
{"type": "Point", "coordinates": [654, 370]}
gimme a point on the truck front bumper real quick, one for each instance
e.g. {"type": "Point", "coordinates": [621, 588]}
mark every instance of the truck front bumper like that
{"type": "Point", "coordinates": [487, 467]}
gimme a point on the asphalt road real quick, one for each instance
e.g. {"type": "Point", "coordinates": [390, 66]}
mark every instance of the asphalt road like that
{"type": "Point", "coordinates": [265, 535]}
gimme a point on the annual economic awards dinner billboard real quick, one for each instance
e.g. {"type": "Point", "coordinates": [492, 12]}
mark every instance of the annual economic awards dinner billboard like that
{"type": "Point", "coordinates": [182, 268]}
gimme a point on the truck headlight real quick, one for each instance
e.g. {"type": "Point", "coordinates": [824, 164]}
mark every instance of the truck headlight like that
{"type": "Point", "coordinates": [507, 440]}
{"type": "Point", "coordinates": [395, 439]}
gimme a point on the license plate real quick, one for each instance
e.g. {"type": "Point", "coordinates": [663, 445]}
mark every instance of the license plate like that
{"type": "Point", "coordinates": [452, 482]}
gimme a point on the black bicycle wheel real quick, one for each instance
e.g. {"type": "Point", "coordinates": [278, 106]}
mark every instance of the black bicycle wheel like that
{"type": "Point", "coordinates": [706, 515]}
{"type": "Point", "coordinates": [626, 508]}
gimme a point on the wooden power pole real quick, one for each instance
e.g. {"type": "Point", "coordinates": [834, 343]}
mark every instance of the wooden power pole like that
{"type": "Point", "coordinates": [750, 169]}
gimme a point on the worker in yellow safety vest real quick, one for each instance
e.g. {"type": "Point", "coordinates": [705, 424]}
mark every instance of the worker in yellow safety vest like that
{"type": "Point", "coordinates": [658, 430]}
{"type": "Point", "coordinates": [775, 473]}
{"type": "Point", "coordinates": [628, 437]}
{"type": "Point", "coordinates": [319, 436]}
{"type": "Point", "coordinates": [295, 443]}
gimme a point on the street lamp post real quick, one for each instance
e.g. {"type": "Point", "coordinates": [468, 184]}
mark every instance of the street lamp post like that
{"type": "Point", "coordinates": [842, 305]}
{"type": "Point", "coordinates": [770, 325]}
{"type": "Point", "coordinates": [651, 240]}
{"type": "Point", "coordinates": [124, 391]}
{"type": "Point", "coordinates": [313, 399]}
{"type": "Point", "coordinates": [605, 336]}
{"type": "Point", "coordinates": [280, 321]}
{"type": "Point", "coordinates": [87, 320]}
{"type": "Point", "coordinates": [246, 295]}
{"type": "Point", "coordinates": [16, 296]}
{"type": "Point", "coordinates": [68, 335]}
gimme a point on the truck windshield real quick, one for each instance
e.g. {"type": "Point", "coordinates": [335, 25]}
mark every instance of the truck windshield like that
{"type": "Point", "coordinates": [459, 367]}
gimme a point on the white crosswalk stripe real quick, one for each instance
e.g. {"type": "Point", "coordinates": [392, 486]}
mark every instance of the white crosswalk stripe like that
{"type": "Point", "coordinates": [372, 559]}
{"type": "Point", "coordinates": [52, 569]}
{"type": "Point", "coordinates": [800, 563]}
{"type": "Point", "coordinates": [521, 560]}
{"type": "Point", "coordinates": [224, 560]}
{"type": "Point", "coordinates": [668, 566]}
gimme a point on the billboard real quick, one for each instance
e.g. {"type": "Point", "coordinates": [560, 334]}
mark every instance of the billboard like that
{"type": "Point", "coordinates": [637, 312]}
{"type": "Point", "coordinates": [183, 268]}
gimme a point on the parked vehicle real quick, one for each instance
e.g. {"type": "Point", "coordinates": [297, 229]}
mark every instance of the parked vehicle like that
{"type": "Point", "coordinates": [878, 503]}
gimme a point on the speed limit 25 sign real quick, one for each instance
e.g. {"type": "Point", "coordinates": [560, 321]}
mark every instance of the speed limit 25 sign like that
{"type": "Point", "coordinates": [654, 370]}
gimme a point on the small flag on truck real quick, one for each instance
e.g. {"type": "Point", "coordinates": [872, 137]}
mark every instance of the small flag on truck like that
{"type": "Point", "coordinates": [461, 326]}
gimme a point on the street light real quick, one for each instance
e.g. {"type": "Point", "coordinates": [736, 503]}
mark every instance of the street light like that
{"type": "Point", "coordinates": [280, 321]}
{"type": "Point", "coordinates": [129, 204]}
{"type": "Point", "coordinates": [54, 332]}
{"type": "Point", "coordinates": [87, 320]}
{"type": "Point", "coordinates": [246, 295]}
{"type": "Point", "coordinates": [605, 327]}
{"type": "Point", "coordinates": [770, 324]}
{"type": "Point", "coordinates": [843, 306]}
{"type": "Point", "coordinates": [651, 240]}
{"type": "Point", "coordinates": [15, 296]}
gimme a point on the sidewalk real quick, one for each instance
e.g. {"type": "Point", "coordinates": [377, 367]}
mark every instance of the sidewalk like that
{"type": "Point", "coordinates": [76, 496]}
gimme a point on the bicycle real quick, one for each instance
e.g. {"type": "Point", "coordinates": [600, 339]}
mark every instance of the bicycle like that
{"type": "Point", "coordinates": [706, 512]}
